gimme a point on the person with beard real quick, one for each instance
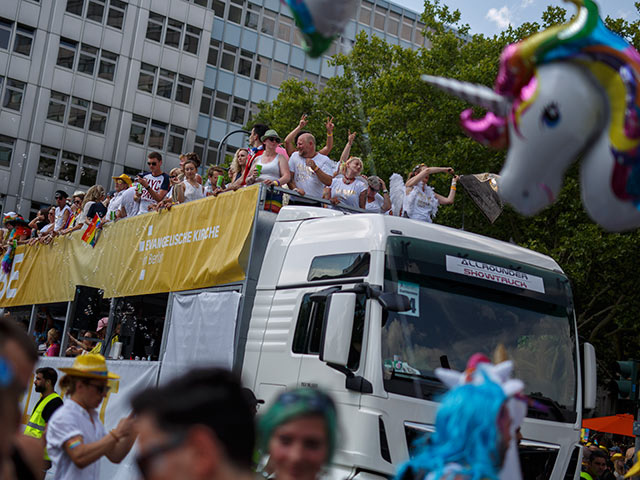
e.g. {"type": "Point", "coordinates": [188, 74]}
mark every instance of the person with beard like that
{"type": "Point", "coordinates": [50, 401]}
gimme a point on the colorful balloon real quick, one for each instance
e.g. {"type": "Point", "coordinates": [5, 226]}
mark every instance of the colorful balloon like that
{"type": "Point", "coordinates": [320, 21]}
{"type": "Point", "coordinates": [569, 91]}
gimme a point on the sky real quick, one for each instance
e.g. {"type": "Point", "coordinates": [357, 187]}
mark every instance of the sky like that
{"type": "Point", "coordinates": [492, 16]}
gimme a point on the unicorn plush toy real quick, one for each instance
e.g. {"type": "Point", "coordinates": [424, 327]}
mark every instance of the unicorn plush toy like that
{"type": "Point", "coordinates": [569, 92]}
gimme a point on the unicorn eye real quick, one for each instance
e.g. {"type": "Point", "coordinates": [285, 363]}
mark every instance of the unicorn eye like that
{"type": "Point", "coordinates": [551, 115]}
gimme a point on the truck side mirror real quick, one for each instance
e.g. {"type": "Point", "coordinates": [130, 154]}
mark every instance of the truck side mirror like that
{"type": "Point", "coordinates": [394, 302]}
{"type": "Point", "coordinates": [589, 377]}
{"type": "Point", "coordinates": [335, 341]}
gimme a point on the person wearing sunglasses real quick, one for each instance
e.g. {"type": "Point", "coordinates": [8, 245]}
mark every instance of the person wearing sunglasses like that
{"type": "Point", "coordinates": [270, 168]}
{"type": "Point", "coordinates": [153, 183]}
{"type": "Point", "coordinates": [76, 438]}
{"type": "Point", "coordinates": [298, 432]}
{"type": "Point", "coordinates": [196, 427]}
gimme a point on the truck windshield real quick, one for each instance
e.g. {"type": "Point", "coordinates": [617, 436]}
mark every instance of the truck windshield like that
{"type": "Point", "coordinates": [454, 316]}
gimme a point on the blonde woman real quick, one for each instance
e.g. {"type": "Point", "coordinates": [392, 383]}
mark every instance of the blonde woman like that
{"type": "Point", "coordinates": [421, 202]}
{"type": "Point", "coordinates": [348, 189]}
{"type": "Point", "coordinates": [92, 204]}
{"type": "Point", "coordinates": [176, 176]}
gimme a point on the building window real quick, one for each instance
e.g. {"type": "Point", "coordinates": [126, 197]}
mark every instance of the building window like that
{"type": "Point", "coordinates": [393, 23]}
{"type": "Point", "coordinates": [47, 162]}
{"type": "Point", "coordinates": [13, 93]}
{"type": "Point", "coordinates": [87, 60]}
{"type": "Point", "coordinates": [191, 39]}
{"type": "Point", "coordinates": [95, 10]}
{"type": "Point", "coordinates": [278, 73]}
{"type": "Point", "coordinates": [252, 17]}
{"type": "Point", "coordinates": [262, 69]}
{"type": "Point", "coordinates": [68, 167]}
{"type": "Point", "coordinates": [108, 63]}
{"type": "Point", "coordinates": [165, 83]}
{"type": "Point", "coordinates": [66, 53]}
{"type": "Point", "coordinates": [176, 34]}
{"type": "Point", "coordinates": [99, 117]}
{"type": "Point", "coordinates": [218, 8]}
{"type": "Point", "coordinates": [221, 105]}
{"type": "Point", "coordinates": [115, 18]}
{"type": "Point", "coordinates": [235, 11]}
{"type": "Point", "coordinates": [198, 147]}
{"type": "Point", "coordinates": [157, 134]}
{"type": "Point", "coordinates": [6, 27]}
{"type": "Point", "coordinates": [378, 18]}
{"type": "Point", "coordinates": [229, 53]}
{"type": "Point", "coordinates": [147, 77]}
{"type": "Point", "coordinates": [407, 29]}
{"type": "Point", "coordinates": [138, 130]}
{"type": "Point", "coordinates": [79, 111]}
{"type": "Point", "coordinates": [183, 90]}
{"type": "Point", "coordinates": [176, 139]}
{"type": "Point", "coordinates": [268, 22]}
{"type": "Point", "coordinates": [23, 40]}
{"type": "Point", "coordinates": [238, 109]}
{"type": "Point", "coordinates": [365, 12]}
{"type": "Point", "coordinates": [205, 101]}
{"type": "Point", "coordinates": [245, 62]}
{"type": "Point", "coordinates": [89, 171]}
{"type": "Point", "coordinates": [284, 28]}
{"type": "Point", "coordinates": [154, 27]}
{"type": "Point", "coordinates": [57, 107]}
{"type": "Point", "coordinates": [7, 145]}
{"type": "Point", "coordinates": [214, 48]}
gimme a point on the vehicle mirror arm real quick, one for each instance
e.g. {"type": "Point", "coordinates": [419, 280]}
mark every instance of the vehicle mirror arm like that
{"type": "Point", "coordinates": [353, 382]}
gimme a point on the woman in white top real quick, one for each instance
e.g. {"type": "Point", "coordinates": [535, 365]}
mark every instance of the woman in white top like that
{"type": "Point", "coordinates": [377, 203]}
{"type": "Point", "coordinates": [270, 168]}
{"type": "Point", "coordinates": [349, 189]}
{"type": "Point", "coordinates": [421, 202]}
{"type": "Point", "coordinates": [189, 189]}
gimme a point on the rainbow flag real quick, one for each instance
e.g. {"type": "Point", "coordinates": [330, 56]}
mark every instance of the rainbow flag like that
{"type": "Point", "coordinates": [91, 234]}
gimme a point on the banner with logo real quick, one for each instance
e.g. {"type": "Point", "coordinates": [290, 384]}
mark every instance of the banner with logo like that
{"type": "Point", "coordinates": [193, 245]}
{"type": "Point", "coordinates": [134, 377]}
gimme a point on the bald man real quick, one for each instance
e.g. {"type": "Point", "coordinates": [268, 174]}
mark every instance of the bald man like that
{"type": "Point", "coordinates": [310, 171]}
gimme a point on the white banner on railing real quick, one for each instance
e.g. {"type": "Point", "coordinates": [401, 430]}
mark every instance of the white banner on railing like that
{"type": "Point", "coordinates": [135, 376]}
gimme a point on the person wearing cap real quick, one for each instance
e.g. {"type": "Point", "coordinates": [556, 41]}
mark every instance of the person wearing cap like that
{"type": "Point", "coordinates": [376, 203]}
{"type": "Point", "coordinates": [121, 183]}
{"type": "Point", "coordinates": [270, 168]}
{"type": "Point", "coordinates": [619, 467]}
{"type": "Point", "coordinates": [101, 331]}
{"type": "Point", "coordinates": [63, 211]}
{"type": "Point", "coordinates": [76, 438]}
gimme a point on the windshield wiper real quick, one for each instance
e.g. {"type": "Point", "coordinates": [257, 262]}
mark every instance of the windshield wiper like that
{"type": "Point", "coordinates": [549, 405]}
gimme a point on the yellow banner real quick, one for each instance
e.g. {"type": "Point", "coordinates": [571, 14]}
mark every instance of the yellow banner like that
{"type": "Point", "coordinates": [195, 245]}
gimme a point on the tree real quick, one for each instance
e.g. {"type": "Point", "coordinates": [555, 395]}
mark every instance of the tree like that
{"type": "Point", "coordinates": [402, 122]}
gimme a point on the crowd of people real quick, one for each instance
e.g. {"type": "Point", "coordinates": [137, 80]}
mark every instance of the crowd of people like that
{"type": "Point", "coordinates": [295, 164]}
{"type": "Point", "coordinates": [605, 460]}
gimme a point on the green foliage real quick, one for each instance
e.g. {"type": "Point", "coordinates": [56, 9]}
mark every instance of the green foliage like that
{"type": "Point", "coordinates": [402, 122]}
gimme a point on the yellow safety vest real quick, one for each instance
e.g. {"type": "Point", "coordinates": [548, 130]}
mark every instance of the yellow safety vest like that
{"type": "Point", "coordinates": [586, 476]}
{"type": "Point", "coordinates": [36, 424]}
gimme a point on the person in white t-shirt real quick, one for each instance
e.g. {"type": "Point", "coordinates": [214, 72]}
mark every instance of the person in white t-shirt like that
{"type": "Point", "coordinates": [348, 189]}
{"type": "Point", "coordinates": [122, 183]}
{"type": "Point", "coordinates": [376, 203]}
{"type": "Point", "coordinates": [311, 171]}
{"type": "Point", "coordinates": [63, 211]}
{"type": "Point", "coordinates": [152, 186]}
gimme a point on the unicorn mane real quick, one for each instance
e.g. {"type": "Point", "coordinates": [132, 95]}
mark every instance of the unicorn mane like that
{"type": "Point", "coordinates": [613, 63]}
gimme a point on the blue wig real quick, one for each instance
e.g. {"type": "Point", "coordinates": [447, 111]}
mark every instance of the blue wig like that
{"type": "Point", "coordinates": [466, 434]}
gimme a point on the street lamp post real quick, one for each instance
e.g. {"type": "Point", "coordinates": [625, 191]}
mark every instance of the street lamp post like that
{"type": "Point", "coordinates": [224, 141]}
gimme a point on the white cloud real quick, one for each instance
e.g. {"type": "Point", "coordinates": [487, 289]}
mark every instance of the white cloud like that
{"type": "Point", "coordinates": [526, 3]}
{"type": "Point", "coordinates": [502, 17]}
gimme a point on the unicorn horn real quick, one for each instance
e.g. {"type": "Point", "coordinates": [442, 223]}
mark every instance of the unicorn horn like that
{"type": "Point", "coordinates": [476, 94]}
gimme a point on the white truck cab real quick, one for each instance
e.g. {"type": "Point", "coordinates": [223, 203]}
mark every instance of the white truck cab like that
{"type": "Point", "coordinates": [318, 320]}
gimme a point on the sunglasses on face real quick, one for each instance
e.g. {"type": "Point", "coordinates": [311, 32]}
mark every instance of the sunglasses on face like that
{"type": "Point", "coordinates": [274, 139]}
{"type": "Point", "coordinates": [146, 459]}
{"type": "Point", "coordinates": [100, 387]}
{"type": "Point", "coordinates": [77, 202]}
{"type": "Point", "coordinates": [152, 164]}
{"type": "Point", "coordinates": [173, 176]}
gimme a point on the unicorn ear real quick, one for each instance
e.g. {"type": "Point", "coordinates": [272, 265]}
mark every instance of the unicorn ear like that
{"type": "Point", "coordinates": [479, 95]}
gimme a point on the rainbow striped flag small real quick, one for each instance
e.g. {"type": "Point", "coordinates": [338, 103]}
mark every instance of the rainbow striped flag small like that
{"type": "Point", "coordinates": [90, 236]}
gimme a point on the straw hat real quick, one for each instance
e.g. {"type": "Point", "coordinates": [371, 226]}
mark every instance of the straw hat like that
{"type": "Point", "coordinates": [91, 365]}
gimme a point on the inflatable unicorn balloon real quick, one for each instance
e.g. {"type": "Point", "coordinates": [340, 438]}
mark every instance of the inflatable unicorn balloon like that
{"type": "Point", "coordinates": [569, 92]}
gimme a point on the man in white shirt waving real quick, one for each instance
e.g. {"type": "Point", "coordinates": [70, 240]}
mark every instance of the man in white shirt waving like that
{"type": "Point", "coordinates": [311, 171]}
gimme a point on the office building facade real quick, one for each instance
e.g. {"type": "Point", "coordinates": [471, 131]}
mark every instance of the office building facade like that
{"type": "Point", "coordinates": [89, 87]}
